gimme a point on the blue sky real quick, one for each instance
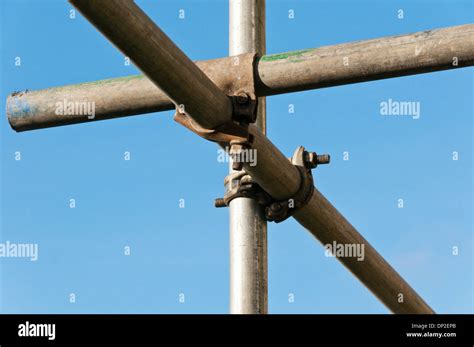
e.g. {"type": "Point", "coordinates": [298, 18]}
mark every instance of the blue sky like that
{"type": "Point", "coordinates": [177, 250]}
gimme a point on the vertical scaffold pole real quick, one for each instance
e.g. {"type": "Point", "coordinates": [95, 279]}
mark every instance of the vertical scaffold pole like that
{"type": "Point", "coordinates": [248, 226]}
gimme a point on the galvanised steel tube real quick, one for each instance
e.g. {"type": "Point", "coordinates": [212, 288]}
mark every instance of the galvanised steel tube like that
{"type": "Point", "coordinates": [276, 175]}
{"type": "Point", "coordinates": [395, 56]}
{"type": "Point", "coordinates": [386, 57]}
{"type": "Point", "coordinates": [140, 39]}
{"type": "Point", "coordinates": [248, 226]}
{"type": "Point", "coordinates": [281, 180]}
{"type": "Point", "coordinates": [329, 226]}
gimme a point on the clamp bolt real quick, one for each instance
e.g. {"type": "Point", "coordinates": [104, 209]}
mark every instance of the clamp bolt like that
{"type": "Point", "coordinates": [235, 152]}
{"type": "Point", "coordinates": [312, 159]}
{"type": "Point", "coordinates": [219, 202]}
{"type": "Point", "coordinates": [237, 166]}
{"type": "Point", "coordinates": [323, 159]}
{"type": "Point", "coordinates": [242, 98]}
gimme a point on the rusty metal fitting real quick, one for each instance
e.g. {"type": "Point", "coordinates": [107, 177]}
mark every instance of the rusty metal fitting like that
{"type": "Point", "coordinates": [239, 85]}
{"type": "Point", "coordinates": [235, 151]}
{"type": "Point", "coordinates": [219, 202]}
{"type": "Point", "coordinates": [242, 98]}
{"type": "Point", "coordinates": [242, 90]}
{"type": "Point", "coordinates": [323, 158]}
{"type": "Point", "coordinates": [312, 160]}
{"type": "Point", "coordinates": [244, 107]}
{"type": "Point", "coordinates": [241, 185]}
{"type": "Point", "coordinates": [278, 211]}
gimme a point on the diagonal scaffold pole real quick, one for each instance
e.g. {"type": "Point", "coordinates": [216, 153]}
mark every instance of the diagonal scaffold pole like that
{"type": "Point", "coordinates": [129, 28]}
{"type": "Point", "coordinates": [247, 222]}
{"type": "Point", "coordinates": [387, 57]}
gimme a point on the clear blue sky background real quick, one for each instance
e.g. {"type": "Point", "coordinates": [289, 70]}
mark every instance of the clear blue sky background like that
{"type": "Point", "coordinates": [135, 203]}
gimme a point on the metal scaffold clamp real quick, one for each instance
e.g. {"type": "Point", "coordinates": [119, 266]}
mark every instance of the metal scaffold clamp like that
{"type": "Point", "coordinates": [239, 86]}
{"type": "Point", "coordinates": [240, 184]}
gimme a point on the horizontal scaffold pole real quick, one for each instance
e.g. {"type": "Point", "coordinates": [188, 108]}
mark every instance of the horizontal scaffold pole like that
{"type": "Point", "coordinates": [273, 172]}
{"type": "Point", "coordinates": [362, 61]}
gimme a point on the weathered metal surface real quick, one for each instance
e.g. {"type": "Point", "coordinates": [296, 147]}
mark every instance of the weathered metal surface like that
{"type": "Point", "coordinates": [239, 184]}
{"type": "Point", "coordinates": [279, 178]}
{"type": "Point", "coordinates": [279, 211]}
{"type": "Point", "coordinates": [140, 39]}
{"type": "Point", "coordinates": [224, 134]}
{"type": "Point", "coordinates": [422, 52]}
{"type": "Point", "coordinates": [247, 224]}
{"type": "Point", "coordinates": [273, 172]}
{"type": "Point", "coordinates": [112, 98]}
{"type": "Point", "coordinates": [328, 225]}
{"type": "Point", "coordinates": [242, 88]}
{"type": "Point", "coordinates": [386, 57]}
{"type": "Point", "coordinates": [116, 97]}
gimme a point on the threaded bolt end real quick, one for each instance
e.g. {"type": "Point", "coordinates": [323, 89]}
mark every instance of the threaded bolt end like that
{"type": "Point", "coordinates": [323, 158]}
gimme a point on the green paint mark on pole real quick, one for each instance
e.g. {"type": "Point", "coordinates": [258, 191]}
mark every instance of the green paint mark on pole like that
{"type": "Point", "coordinates": [287, 55]}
